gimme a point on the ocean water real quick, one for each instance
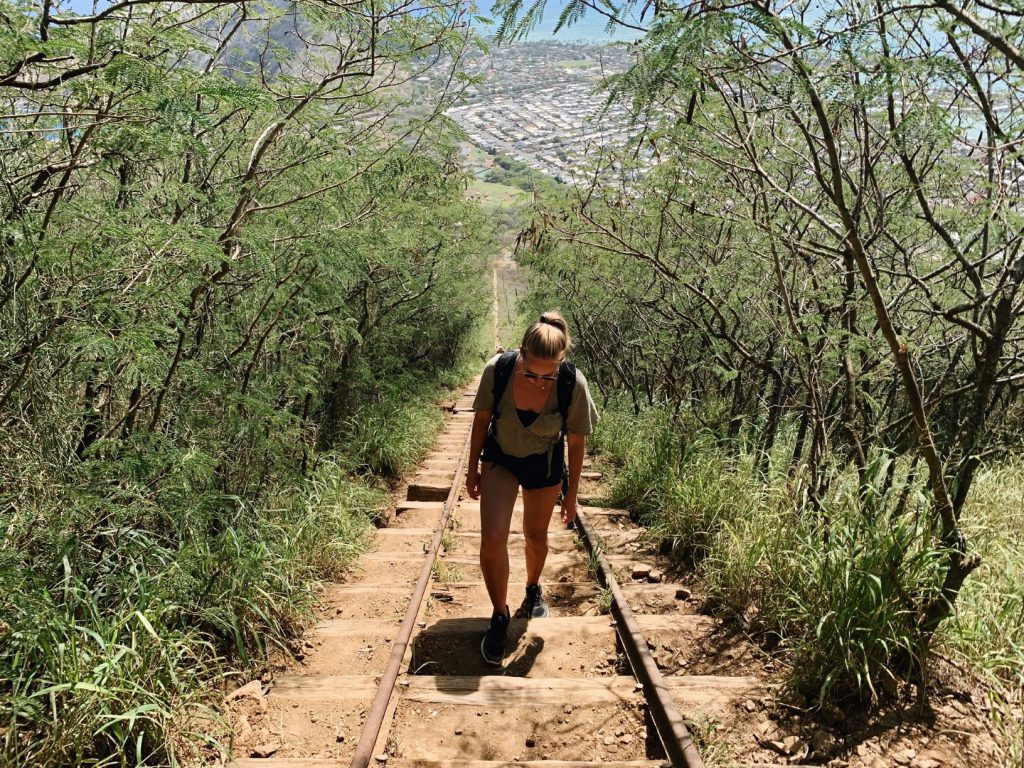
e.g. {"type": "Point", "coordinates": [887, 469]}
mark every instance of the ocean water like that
{"type": "Point", "coordinates": [590, 29]}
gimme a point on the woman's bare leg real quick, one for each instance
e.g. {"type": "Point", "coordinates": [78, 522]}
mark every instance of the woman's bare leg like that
{"type": "Point", "coordinates": [538, 504]}
{"type": "Point", "coordinates": [498, 491]}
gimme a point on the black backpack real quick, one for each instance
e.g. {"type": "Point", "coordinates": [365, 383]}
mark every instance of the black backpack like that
{"type": "Point", "coordinates": [564, 386]}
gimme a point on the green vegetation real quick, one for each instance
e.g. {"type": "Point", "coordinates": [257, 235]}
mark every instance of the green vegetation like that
{"type": "Point", "coordinates": [229, 301]}
{"type": "Point", "coordinates": [475, 157]}
{"type": "Point", "coordinates": [798, 291]}
{"type": "Point", "coordinates": [513, 288]}
{"type": "Point", "coordinates": [815, 585]}
{"type": "Point", "coordinates": [987, 633]}
{"type": "Point", "coordinates": [575, 63]}
{"type": "Point", "coordinates": [515, 173]}
{"type": "Point", "coordinates": [238, 265]}
{"type": "Point", "coordinates": [494, 195]}
{"type": "Point", "coordinates": [604, 601]}
{"type": "Point", "coordinates": [447, 573]}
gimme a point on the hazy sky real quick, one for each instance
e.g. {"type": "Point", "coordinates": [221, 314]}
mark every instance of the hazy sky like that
{"type": "Point", "coordinates": [591, 28]}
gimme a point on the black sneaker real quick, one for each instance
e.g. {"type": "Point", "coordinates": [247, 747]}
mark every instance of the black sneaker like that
{"type": "Point", "coordinates": [492, 647]}
{"type": "Point", "coordinates": [534, 606]}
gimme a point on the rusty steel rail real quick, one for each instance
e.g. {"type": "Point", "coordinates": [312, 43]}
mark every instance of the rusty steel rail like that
{"type": "Point", "coordinates": [378, 710]}
{"type": "Point", "coordinates": [675, 738]}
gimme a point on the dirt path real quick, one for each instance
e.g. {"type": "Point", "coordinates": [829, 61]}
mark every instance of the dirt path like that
{"type": "Point", "coordinates": [565, 694]}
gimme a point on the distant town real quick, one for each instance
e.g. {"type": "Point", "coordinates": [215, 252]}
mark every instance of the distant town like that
{"type": "Point", "coordinates": [539, 103]}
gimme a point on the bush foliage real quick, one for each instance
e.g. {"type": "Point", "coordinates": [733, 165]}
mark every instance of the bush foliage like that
{"type": "Point", "coordinates": [236, 269]}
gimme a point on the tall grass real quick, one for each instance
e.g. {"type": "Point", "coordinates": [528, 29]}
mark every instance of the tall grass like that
{"type": "Point", "coordinates": [831, 587]}
{"type": "Point", "coordinates": [391, 437]}
{"type": "Point", "coordinates": [676, 478]}
{"type": "Point", "coordinates": [111, 636]}
{"type": "Point", "coordinates": [987, 633]}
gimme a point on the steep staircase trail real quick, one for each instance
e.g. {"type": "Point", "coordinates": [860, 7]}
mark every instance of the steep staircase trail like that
{"type": "Point", "coordinates": [565, 696]}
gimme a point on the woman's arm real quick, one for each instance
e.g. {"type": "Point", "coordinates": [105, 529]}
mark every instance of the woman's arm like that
{"type": "Point", "coordinates": [577, 449]}
{"type": "Point", "coordinates": [481, 420]}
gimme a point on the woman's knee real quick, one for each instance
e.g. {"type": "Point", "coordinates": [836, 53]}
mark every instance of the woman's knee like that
{"type": "Point", "coordinates": [499, 489]}
{"type": "Point", "coordinates": [494, 528]}
{"type": "Point", "coordinates": [493, 541]}
{"type": "Point", "coordinates": [536, 538]}
{"type": "Point", "coordinates": [538, 506]}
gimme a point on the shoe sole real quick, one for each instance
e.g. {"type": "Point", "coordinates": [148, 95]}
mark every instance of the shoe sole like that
{"type": "Point", "coordinates": [484, 654]}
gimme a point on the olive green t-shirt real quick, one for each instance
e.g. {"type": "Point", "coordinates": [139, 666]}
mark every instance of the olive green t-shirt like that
{"type": "Point", "coordinates": [516, 440]}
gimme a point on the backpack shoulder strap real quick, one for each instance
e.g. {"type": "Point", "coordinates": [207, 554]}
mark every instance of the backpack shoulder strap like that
{"type": "Point", "coordinates": [502, 374]}
{"type": "Point", "coordinates": [566, 384]}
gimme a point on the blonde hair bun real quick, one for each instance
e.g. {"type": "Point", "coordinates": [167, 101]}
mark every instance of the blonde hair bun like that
{"type": "Point", "coordinates": [547, 338]}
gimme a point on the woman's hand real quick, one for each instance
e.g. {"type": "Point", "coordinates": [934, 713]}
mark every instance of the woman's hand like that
{"type": "Point", "coordinates": [473, 480]}
{"type": "Point", "coordinates": [569, 505]}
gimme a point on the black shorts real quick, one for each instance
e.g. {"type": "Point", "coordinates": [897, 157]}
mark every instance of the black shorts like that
{"type": "Point", "coordinates": [531, 471]}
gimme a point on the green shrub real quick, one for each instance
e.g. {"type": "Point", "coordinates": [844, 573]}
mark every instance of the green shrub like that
{"type": "Point", "coordinates": [844, 608]}
{"type": "Point", "coordinates": [833, 588]}
{"type": "Point", "coordinates": [209, 308]}
{"type": "Point", "coordinates": [987, 633]}
{"type": "Point", "coordinates": [111, 632]}
{"type": "Point", "coordinates": [390, 437]}
{"type": "Point", "coordinates": [676, 477]}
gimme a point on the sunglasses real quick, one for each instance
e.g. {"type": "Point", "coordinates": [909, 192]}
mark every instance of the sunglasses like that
{"type": "Point", "coordinates": [537, 376]}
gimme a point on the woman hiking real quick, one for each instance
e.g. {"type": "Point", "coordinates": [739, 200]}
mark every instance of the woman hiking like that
{"type": "Point", "coordinates": [530, 403]}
